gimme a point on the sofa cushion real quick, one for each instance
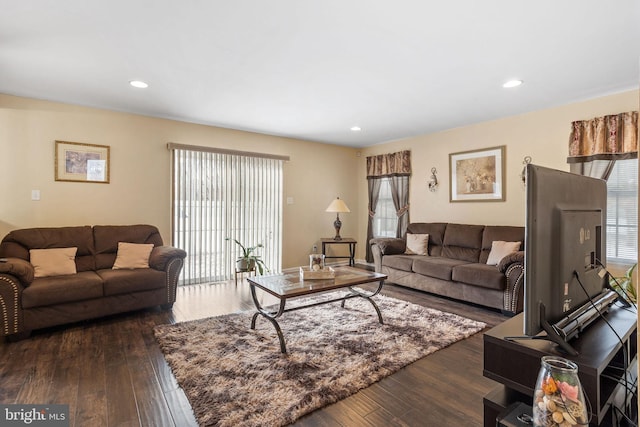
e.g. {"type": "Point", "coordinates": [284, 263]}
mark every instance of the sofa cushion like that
{"type": "Point", "coordinates": [45, 291]}
{"type": "Point", "coordinates": [500, 249]}
{"type": "Point", "coordinates": [438, 267]}
{"type": "Point", "coordinates": [107, 238]}
{"type": "Point", "coordinates": [417, 244]}
{"type": "Point", "coordinates": [126, 281]}
{"type": "Point", "coordinates": [53, 262]}
{"type": "Point", "coordinates": [18, 243]}
{"type": "Point", "coordinates": [483, 275]}
{"type": "Point", "coordinates": [435, 230]}
{"type": "Point", "coordinates": [399, 262]}
{"type": "Point", "coordinates": [463, 242]}
{"type": "Point", "coordinates": [505, 233]}
{"type": "Point", "coordinates": [133, 255]}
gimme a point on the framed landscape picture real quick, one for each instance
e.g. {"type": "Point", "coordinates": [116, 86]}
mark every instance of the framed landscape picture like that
{"type": "Point", "coordinates": [477, 176]}
{"type": "Point", "coordinates": [82, 162]}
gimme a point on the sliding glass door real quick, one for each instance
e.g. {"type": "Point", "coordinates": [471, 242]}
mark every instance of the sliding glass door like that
{"type": "Point", "coordinates": [220, 194]}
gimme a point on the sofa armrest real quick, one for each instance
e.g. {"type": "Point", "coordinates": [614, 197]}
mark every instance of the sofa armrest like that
{"type": "Point", "coordinates": [11, 288]}
{"type": "Point", "coordinates": [169, 260]}
{"type": "Point", "coordinates": [20, 269]}
{"type": "Point", "coordinates": [390, 245]}
{"type": "Point", "coordinates": [385, 246]}
{"type": "Point", "coordinates": [161, 255]}
{"type": "Point", "coordinates": [516, 257]}
{"type": "Point", "coordinates": [513, 268]}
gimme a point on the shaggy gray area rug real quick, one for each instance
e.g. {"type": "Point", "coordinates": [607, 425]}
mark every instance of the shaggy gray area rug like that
{"type": "Point", "coordinates": [235, 376]}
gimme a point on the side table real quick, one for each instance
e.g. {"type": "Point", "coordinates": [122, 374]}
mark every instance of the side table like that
{"type": "Point", "coordinates": [345, 241]}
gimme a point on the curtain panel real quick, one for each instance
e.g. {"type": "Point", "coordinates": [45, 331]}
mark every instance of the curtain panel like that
{"type": "Point", "coordinates": [396, 166]}
{"type": "Point", "coordinates": [400, 195]}
{"type": "Point", "coordinates": [392, 164]}
{"type": "Point", "coordinates": [613, 137]}
{"type": "Point", "coordinates": [373, 186]}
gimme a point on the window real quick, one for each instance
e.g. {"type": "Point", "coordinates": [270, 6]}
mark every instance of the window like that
{"type": "Point", "coordinates": [218, 195]}
{"type": "Point", "coordinates": [385, 221]}
{"type": "Point", "coordinates": [622, 213]}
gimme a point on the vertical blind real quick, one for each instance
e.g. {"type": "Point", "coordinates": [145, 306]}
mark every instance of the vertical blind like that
{"type": "Point", "coordinates": [220, 194]}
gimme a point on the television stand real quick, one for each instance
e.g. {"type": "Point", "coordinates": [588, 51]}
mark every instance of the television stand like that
{"type": "Point", "coordinates": [515, 364]}
{"type": "Point", "coordinates": [575, 323]}
{"type": "Point", "coordinates": [551, 334]}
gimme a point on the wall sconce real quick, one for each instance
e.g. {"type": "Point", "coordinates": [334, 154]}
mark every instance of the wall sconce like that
{"type": "Point", "coordinates": [523, 174]}
{"type": "Point", "coordinates": [433, 182]}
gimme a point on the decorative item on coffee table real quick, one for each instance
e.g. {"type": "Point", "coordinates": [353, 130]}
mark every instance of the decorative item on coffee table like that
{"type": "Point", "coordinates": [316, 262]}
{"type": "Point", "coordinates": [317, 269]}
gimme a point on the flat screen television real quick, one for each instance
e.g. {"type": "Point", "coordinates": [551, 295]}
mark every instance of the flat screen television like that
{"type": "Point", "coordinates": [565, 251]}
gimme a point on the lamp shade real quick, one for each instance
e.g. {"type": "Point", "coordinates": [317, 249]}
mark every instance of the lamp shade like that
{"type": "Point", "coordinates": [338, 206]}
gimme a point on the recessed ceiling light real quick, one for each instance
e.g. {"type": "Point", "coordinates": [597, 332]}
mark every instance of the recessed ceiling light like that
{"type": "Point", "coordinates": [139, 84]}
{"type": "Point", "coordinates": [356, 128]}
{"type": "Point", "coordinates": [512, 83]}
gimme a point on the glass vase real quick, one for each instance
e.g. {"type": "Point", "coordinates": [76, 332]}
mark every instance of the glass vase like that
{"type": "Point", "coordinates": [316, 262]}
{"type": "Point", "coordinates": [558, 398]}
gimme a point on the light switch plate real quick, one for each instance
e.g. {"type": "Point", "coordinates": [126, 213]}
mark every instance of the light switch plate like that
{"type": "Point", "coordinates": [35, 194]}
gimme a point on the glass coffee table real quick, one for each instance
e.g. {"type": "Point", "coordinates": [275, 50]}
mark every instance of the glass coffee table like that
{"type": "Point", "coordinates": [288, 286]}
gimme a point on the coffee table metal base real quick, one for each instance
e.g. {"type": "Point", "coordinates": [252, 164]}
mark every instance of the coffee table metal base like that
{"type": "Point", "coordinates": [271, 316]}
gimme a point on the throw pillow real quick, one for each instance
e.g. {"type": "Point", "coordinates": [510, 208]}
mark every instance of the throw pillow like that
{"type": "Point", "coordinates": [417, 244]}
{"type": "Point", "coordinates": [132, 255]}
{"type": "Point", "coordinates": [53, 262]}
{"type": "Point", "coordinates": [500, 249]}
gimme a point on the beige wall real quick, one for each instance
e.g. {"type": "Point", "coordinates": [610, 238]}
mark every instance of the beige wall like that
{"type": "Point", "coordinates": [139, 191]}
{"type": "Point", "coordinates": [543, 135]}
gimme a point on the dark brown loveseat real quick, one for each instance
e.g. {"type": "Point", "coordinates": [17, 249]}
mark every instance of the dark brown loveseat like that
{"type": "Point", "coordinates": [28, 302]}
{"type": "Point", "coordinates": [456, 264]}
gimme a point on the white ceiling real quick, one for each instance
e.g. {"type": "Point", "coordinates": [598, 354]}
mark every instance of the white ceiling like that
{"type": "Point", "coordinates": [313, 69]}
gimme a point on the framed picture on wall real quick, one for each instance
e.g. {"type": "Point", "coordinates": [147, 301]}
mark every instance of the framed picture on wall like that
{"type": "Point", "coordinates": [477, 175]}
{"type": "Point", "coordinates": [81, 162]}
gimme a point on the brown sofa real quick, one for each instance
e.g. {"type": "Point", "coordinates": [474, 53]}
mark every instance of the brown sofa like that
{"type": "Point", "coordinates": [456, 265]}
{"type": "Point", "coordinates": [95, 290]}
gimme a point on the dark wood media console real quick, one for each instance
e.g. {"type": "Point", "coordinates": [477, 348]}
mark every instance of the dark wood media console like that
{"type": "Point", "coordinates": [515, 364]}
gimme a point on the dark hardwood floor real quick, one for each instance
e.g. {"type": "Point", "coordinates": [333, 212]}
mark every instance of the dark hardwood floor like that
{"type": "Point", "coordinates": [111, 372]}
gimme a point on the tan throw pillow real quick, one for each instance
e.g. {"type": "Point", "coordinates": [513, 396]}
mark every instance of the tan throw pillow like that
{"type": "Point", "coordinates": [500, 249]}
{"type": "Point", "coordinates": [132, 255]}
{"type": "Point", "coordinates": [53, 262]}
{"type": "Point", "coordinates": [417, 244]}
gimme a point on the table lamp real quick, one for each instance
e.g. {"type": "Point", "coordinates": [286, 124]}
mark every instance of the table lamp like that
{"type": "Point", "coordinates": [337, 206]}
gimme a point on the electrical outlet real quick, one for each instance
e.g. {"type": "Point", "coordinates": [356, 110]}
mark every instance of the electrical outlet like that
{"type": "Point", "coordinates": [315, 248]}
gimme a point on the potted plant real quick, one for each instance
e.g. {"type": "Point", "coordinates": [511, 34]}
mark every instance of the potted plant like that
{"type": "Point", "coordinates": [624, 285]}
{"type": "Point", "coordinates": [249, 261]}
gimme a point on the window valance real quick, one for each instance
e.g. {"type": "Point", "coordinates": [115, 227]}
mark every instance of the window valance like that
{"type": "Point", "coordinates": [613, 137]}
{"type": "Point", "coordinates": [392, 164]}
